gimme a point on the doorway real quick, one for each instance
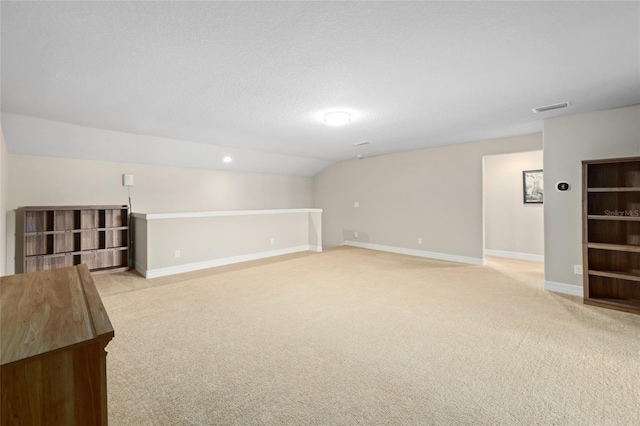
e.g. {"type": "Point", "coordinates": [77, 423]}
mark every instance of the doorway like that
{"type": "Point", "coordinates": [512, 228]}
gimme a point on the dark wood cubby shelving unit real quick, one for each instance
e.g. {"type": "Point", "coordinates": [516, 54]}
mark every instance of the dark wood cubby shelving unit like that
{"type": "Point", "coordinates": [611, 233]}
{"type": "Point", "coordinates": [56, 237]}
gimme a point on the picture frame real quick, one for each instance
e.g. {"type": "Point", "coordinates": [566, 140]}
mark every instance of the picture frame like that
{"type": "Point", "coordinates": [532, 187]}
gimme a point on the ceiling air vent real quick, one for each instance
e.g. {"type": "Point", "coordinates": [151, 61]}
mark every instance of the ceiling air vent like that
{"type": "Point", "coordinates": [551, 107]}
{"type": "Point", "coordinates": [361, 143]}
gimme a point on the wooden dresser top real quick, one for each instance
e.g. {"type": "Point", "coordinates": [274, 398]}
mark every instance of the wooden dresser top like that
{"type": "Point", "coordinates": [44, 311]}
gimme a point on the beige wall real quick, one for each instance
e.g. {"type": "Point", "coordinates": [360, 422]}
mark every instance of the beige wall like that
{"type": "Point", "coordinates": [4, 192]}
{"type": "Point", "coordinates": [205, 240]}
{"type": "Point", "coordinates": [157, 189]}
{"type": "Point", "coordinates": [511, 226]}
{"type": "Point", "coordinates": [434, 194]}
{"type": "Point", "coordinates": [567, 141]}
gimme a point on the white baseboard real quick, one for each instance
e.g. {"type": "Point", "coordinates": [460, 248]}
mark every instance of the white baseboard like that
{"type": "Point", "coordinates": [142, 270]}
{"type": "Point", "coordinates": [515, 255]}
{"type": "Point", "coordinates": [189, 267]}
{"type": "Point", "coordinates": [563, 288]}
{"type": "Point", "coordinates": [413, 252]}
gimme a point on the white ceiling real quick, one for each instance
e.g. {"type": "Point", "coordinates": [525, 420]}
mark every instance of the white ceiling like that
{"type": "Point", "coordinates": [251, 78]}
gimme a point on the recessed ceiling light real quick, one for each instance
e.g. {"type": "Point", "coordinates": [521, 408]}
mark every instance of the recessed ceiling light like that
{"type": "Point", "coordinates": [551, 107]}
{"type": "Point", "coordinates": [337, 118]}
{"type": "Point", "coordinates": [227, 159]}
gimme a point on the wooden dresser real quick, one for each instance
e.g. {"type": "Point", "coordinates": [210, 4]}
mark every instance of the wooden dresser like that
{"type": "Point", "coordinates": [54, 331]}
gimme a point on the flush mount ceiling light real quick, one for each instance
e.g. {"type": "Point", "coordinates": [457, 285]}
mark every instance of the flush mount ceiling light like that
{"type": "Point", "coordinates": [227, 159]}
{"type": "Point", "coordinates": [551, 107]}
{"type": "Point", "coordinates": [337, 118]}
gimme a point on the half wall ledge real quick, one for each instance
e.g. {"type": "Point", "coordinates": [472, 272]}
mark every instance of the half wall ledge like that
{"type": "Point", "coordinates": [172, 243]}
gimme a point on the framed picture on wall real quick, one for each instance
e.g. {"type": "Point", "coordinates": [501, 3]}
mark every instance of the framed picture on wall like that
{"type": "Point", "coordinates": [532, 186]}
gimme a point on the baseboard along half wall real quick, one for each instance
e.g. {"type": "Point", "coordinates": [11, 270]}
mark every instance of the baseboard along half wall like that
{"type": "Point", "coordinates": [515, 255]}
{"type": "Point", "coordinates": [190, 267]}
{"type": "Point", "coordinates": [563, 288]}
{"type": "Point", "coordinates": [419, 253]}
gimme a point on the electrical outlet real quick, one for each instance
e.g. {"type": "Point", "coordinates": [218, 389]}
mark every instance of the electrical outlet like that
{"type": "Point", "coordinates": [355, 235]}
{"type": "Point", "coordinates": [577, 269]}
{"type": "Point", "coordinates": [356, 204]}
{"type": "Point", "coordinates": [420, 241]}
{"type": "Point", "coordinates": [177, 254]}
{"type": "Point", "coordinates": [273, 241]}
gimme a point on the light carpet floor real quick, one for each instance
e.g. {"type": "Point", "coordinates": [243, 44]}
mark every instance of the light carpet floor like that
{"type": "Point", "coordinates": [352, 336]}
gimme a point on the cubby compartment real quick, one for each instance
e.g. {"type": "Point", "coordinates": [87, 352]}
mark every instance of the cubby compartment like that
{"type": "Point", "coordinates": [38, 244]}
{"type": "Point", "coordinates": [89, 259]}
{"type": "Point", "coordinates": [93, 240]}
{"type": "Point", "coordinates": [615, 291]}
{"type": "Point", "coordinates": [621, 232]}
{"type": "Point", "coordinates": [89, 219]}
{"type": "Point", "coordinates": [621, 262]}
{"type": "Point", "coordinates": [38, 221]}
{"type": "Point", "coordinates": [116, 238]}
{"type": "Point", "coordinates": [615, 204]}
{"type": "Point", "coordinates": [66, 242]}
{"type": "Point", "coordinates": [613, 174]}
{"type": "Point", "coordinates": [66, 220]}
{"type": "Point", "coordinates": [41, 263]}
{"type": "Point", "coordinates": [115, 218]}
{"type": "Point", "coordinates": [101, 260]}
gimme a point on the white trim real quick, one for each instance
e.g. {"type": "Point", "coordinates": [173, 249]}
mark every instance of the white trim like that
{"type": "Point", "coordinates": [184, 215]}
{"type": "Point", "coordinates": [573, 290]}
{"type": "Point", "coordinates": [515, 255]}
{"type": "Point", "coordinates": [142, 270]}
{"type": "Point", "coordinates": [317, 249]}
{"type": "Point", "coordinates": [413, 252]}
{"type": "Point", "coordinates": [189, 267]}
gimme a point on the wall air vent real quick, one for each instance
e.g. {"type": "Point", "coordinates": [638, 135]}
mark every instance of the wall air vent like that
{"type": "Point", "coordinates": [551, 107]}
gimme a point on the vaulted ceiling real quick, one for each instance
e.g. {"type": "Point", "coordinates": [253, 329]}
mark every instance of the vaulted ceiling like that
{"type": "Point", "coordinates": [255, 79]}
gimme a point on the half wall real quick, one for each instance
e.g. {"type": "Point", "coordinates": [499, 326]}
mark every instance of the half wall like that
{"type": "Point", "coordinates": [172, 243]}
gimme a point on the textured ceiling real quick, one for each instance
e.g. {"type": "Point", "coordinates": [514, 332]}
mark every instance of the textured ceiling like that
{"type": "Point", "coordinates": [245, 76]}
